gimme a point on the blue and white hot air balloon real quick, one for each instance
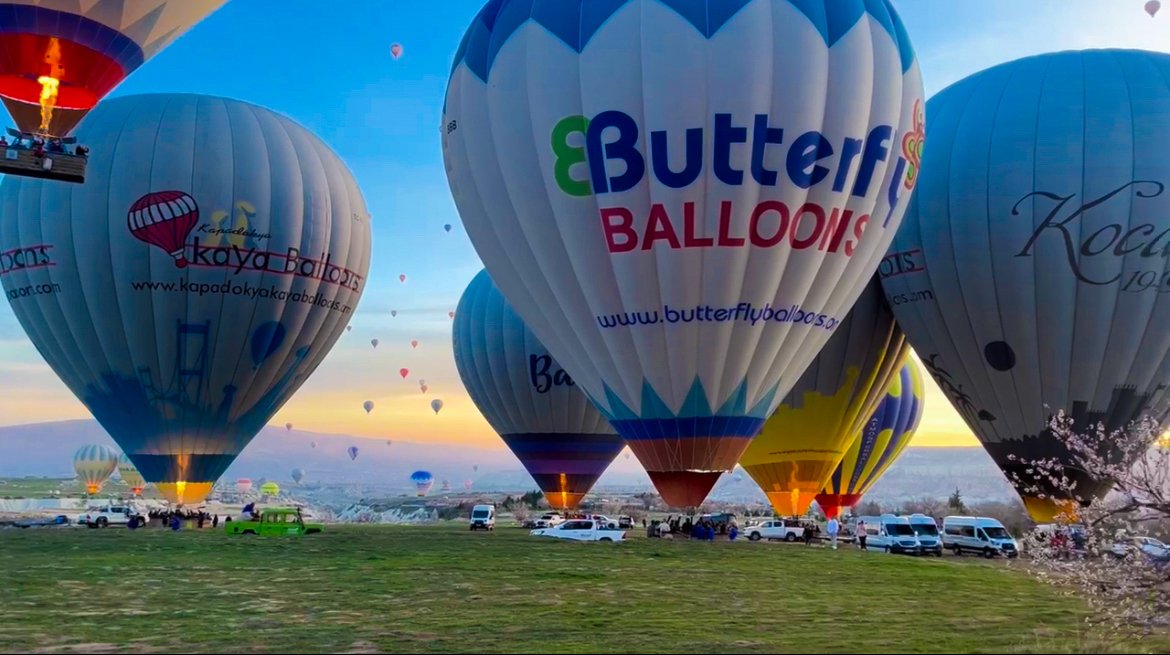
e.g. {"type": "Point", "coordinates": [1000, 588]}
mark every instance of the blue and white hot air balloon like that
{"type": "Point", "coordinates": [194, 282]}
{"type": "Point", "coordinates": [423, 481]}
{"type": "Point", "coordinates": [682, 199]}
{"type": "Point", "coordinates": [547, 422]}
{"type": "Point", "coordinates": [1030, 274]}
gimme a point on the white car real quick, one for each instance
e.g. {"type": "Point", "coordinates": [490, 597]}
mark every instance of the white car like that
{"type": "Point", "coordinates": [785, 529]}
{"type": "Point", "coordinates": [1150, 547]}
{"type": "Point", "coordinates": [581, 530]}
{"type": "Point", "coordinates": [100, 517]}
{"type": "Point", "coordinates": [549, 520]}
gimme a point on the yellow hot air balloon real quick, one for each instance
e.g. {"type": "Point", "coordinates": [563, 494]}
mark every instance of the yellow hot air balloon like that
{"type": "Point", "coordinates": [804, 440]}
{"type": "Point", "coordinates": [130, 475]}
{"type": "Point", "coordinates": [94, 465]}
{"type": "Point", "coordinates": [270, 489]}
{"type": "Point", "coordinates": [879, 444]}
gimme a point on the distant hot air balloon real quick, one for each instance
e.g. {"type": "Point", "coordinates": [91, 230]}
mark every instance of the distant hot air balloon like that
{"type": "Point", "coordinates": [94, 465]}
{"type": "Point", "coordinates": [288, 426]}
{"type": "Point", "coordinates": [389, 442]}
{"type": "Point", "coordinates": [447, 227]}
{"type": "Point", "coordinates": [881, 440]}
{"type": "Point", "coordinates": [183, 366]}
{"type": "Point", "coordinates": [402, 278]}
{"type": "Point", "coordinates": [421, 382]}
{"type": "Point", "coordinates": [475, 468]}
{"type": "Point", "coordinates": [450, 314]}
{"type": "Point", "coordinates": [270, 489]}
{"type": "Point", "coordinates": [368, 406]}
{"type": "Point", "coordinates": [546, 421]}
{"type": "Point", "coordinates": [61, 57]}
{"type": "Point", "coordinates": [374, 342]}
{"type": "Point", "coordinates": [348, 328]}
{"type": "Point", "coordinates": [353, 452]}
{"type": "Point", "coordinates": [396, 50]}
{"type": "Point", "coordinates": [1029, 275]}
{"type": "Point", "coordinates": [312, 444]}
{"type": "Point", "coordinates": [423, 480]}
{"type": "Point", "coordinates": [130, 475]}
{"type": "Point", "coordinates": [414, 343]}
{"type": "Point", "coordinates": [1152, 7]}
{"type": "Point", "coordinates": [423, 388]}
{"type": "Point", "coordinates": [394, 312]}
{"type": "Point", "coordinates": [682, 274]}
{"type": "Point", "coordinates": [802, 443]}
{"type": "Point", "coordinates": [467, 484]}
{"type": "Point", "coordinates": [404, 372]}
{"type": "Point", "coordinates": [243, 485]}
{"type": "Point", "coordinates": [298, 475]}
{"type": "Point", "coordinates": [436, 405]}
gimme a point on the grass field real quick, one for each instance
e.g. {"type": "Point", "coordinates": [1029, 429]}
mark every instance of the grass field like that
{"type": "Point", "coordinates": [443, 589]}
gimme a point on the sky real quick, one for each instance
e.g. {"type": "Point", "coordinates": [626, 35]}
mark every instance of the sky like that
{"type": "Point", "coordinates": [327, 65]}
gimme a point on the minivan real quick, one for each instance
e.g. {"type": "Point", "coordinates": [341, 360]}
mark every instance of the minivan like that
{"type": "Point", "coordinates": [929, 539]}
{"type": "Point", "coordinates": [978, 534]}
{"type": "Point", "coordinates": [483, 517]}
{"type": "Point", "coordinates": [889, 533]}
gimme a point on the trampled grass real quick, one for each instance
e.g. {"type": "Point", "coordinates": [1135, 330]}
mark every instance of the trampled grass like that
{"type": "Point", "coordinates": [419, 589]}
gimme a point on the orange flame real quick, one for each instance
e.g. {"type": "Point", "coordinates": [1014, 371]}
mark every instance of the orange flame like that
{"type": "Point", "coordinates": [50, 84]}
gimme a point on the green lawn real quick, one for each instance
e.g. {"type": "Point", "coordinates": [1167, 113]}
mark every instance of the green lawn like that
{"type": "Point", "coordinates": [403, 589]}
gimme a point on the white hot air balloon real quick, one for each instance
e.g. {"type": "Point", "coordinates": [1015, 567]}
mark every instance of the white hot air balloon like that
{"type": "Point", "coordinates": [94, 465]}
{"type": "Point", "coordinates": [683, 239]}
{"type": "Point", "coordinates": [194, 282]}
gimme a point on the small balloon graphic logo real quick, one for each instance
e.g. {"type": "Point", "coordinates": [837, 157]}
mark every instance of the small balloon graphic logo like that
{"type": "Point", "coordinates": [164, 219]}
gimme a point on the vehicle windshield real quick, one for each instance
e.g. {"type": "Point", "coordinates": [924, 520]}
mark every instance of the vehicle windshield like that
{"type": "Point", "coordinates": [925, 530]}
{"type": "Point", "coordinates": [899, 530]}
{"type": "Point", "coordinates": [997, 533]}
{"type": "Point", "coordinates": [479, 514]}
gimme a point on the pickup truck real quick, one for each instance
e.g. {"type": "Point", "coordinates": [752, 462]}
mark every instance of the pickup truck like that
{"type": "Point", "coordinates": [275, 521]}
{"type": "Point", "coordinates": [581, 530]}
{"type": "Point", "coordinates": [786, 529]}
{"type": "Point", "coordinates": [100, 517]}
{"type": "Point", "coordinates": [549, 520]}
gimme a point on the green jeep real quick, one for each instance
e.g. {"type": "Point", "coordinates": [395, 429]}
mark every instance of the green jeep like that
{"type": "Point", "coordinates": [276, 521]}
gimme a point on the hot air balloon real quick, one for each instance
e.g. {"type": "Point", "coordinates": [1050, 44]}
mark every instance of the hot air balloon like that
{"type": "Point", "coordinates": [402, 278]}
{"type": "Point", "coordinates": [804, 441]}
{"type": "Point", "coordinates": [243, 485]}
{"type": "Point", "coordinates": [450, 314]}
{"type": "Point", "coordinates": [546, 421]}
{"type": "Point", "coordinates": [374, 342]}
{"type": "Point", "coordinates": [288, 426]}
{"type": "Point", "coordinates": [353, 452]}
{"type": "Point", "coordinates": [447, 227]}
{"type": "Point", "coordinates": [130, 475]}
{"type": "Point", "coordinates": [312, 444]}
{"type": "Point", "coordinates": [61, 57]}
{"type": "Point", "coordinates": [436, 405]}
{"type": "Point", "coordinates": [475, 468]}
{"type": "Point", "coordinates": [389, 442]}
{"type": "Point", "coordinates": [183, 365]}
{"type": "Point", "coordinates": [393, 312]}
{"type": "Point", "coordinates": [1029, 273]}
{"type": "Point", "coordinates": [468, 484]}
{"type": "Point", "coordinates": [348, 328]}
{"type": "Point", "coordinates": [421, 382]}
{"type": "Point", "coordinates": [423, 388]}
{"type": "Point", "coordinates": [396, 50]}
{"type": "Point", "coordinates": [368, 406]}
{"type": "Point", "coordinates": [414, 343]}
{"type": "Point", "coordinates": [94, 465]}
{"type": "Point", "coordinates": [446, 485]}
{"type": "Point", "coordinates": [404, 372]}
{"type": "Point", "coordinates": [423, 480]}
{"type": "Point", "coordinates": [270, 489]}
{"type": "Point", "coordinates": [1152, 7]}
{"type": "Point", "coordinates": [298, 475]}
{"type": "Point", "coordinates": [882, 439]}
{"type": "Point", "coordinates": [683, 278]}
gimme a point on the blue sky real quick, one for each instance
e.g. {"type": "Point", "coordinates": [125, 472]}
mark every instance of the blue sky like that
{"type": "Point", "coordinates": [328, 66]}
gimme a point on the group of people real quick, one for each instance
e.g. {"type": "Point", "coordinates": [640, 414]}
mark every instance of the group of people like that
{"type": "Point", "coordinates": [175, 518]}
{"type": "Point", "coordinates": [39, 145]}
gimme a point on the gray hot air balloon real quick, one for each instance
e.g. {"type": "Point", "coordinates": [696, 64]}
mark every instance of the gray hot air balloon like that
{"type": "Point", "coordinates": [543, 417]}
{"type": "Point", "coordinates": [298, 474]}
{"type": "Point", "coordinates": [194, 282]}
{"type": "Point", "coordinates": [1029, 274]}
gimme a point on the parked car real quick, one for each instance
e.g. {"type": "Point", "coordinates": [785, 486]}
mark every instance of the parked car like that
{"type": "Point", "coordinates": [783, 529]}
{"type": "Point", "coordinates": [1153, 549]}
{"type": "Point", "coordinates": [101, 517]}
{"type": "Point", "coordinates": [549, 520]}
{"type": "Point", "coordinates": [978, 534]}
{"type": "Point", "coordinates": [483, 517]}
{"type": "Point", "coordinates": [581, 530]}
{"type": "Point", "coordinates": [275, 521]}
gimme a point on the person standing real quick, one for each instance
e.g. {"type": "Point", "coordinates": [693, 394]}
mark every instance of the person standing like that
{"type": "Point", "coordinates": [832, 529]}
{"type": "Point", "coordinates": [861, 534]}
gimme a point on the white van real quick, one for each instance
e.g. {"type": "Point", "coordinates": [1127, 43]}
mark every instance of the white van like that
{"type": "Point", "coordinates": [483, 517]}
{"type": "Point", "coordinates": [978, 534]}
{"type": "Point", "coordinates": [889, 533]}
{"type": "Point", "coordinates": [929, 539]}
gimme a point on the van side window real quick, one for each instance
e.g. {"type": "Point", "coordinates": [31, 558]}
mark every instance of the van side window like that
{"type": "Point", "coordinates": [952, 530]}
{"type": "Point", "coordinates": [968, 531]}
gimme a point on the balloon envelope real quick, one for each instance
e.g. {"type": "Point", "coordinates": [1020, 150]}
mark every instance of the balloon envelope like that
{"type": "Point", "coordinates": [196, 279]}
{"type": "Point", "coordinates": [423, 481]}
{"type": "Point", "coordinates": [270, 489]}
{"type": "Point", "coordinates": [1152, 7]}
{"type": "Point", "coordinates": [1029, 275]}
{"type": "Point", "coordinates": [298, 475]}
{"type": "Point", "coordinates": [80, 50]}
{"type": "Point", "coordinates": [546, 421]}
{"type": "Point", "coordinates": [396, 50]}
{"type": "Point", "coordinates": [879, 443]}
{"type": "Point", "coordinates": [801, 444]}
{"type": "Point", "coordinates": [130, 475]}
{"type": "Point", "coordinates": [352, 451]}
{"type": "Point", "coordinates": [368, 406]}
{"type": "Point", "coordinates": [243, 485]}
{"type": "Point", "coordinates": [436, 405]}
{"type": "Point", "coordinates": [94, 465]}
{"type": "Point", "coordinates": [684, 278]}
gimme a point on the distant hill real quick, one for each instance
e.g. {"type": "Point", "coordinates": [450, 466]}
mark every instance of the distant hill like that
{"type": "Point", "coordinates": [46, 449]}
